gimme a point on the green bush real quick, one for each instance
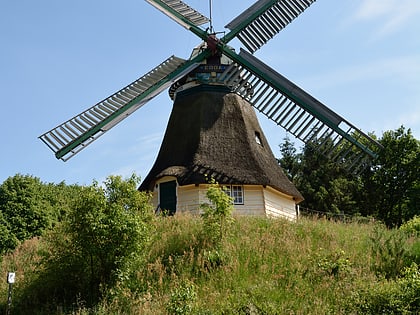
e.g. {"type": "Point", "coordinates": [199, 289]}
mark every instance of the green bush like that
{"type": "Point", "coordinates": [401, 296]}
{"type": "Point", "coordinates": [334, 264]}
{"type": "Point", "coordinates": [389, 251]}
{"type": "Point", "coordinates": [414, 251]}
{"type": "Point", "coordinates": [182, 299]}
{"type": "Point", "coordinates": [97, 246]}
{"type": "Point", "coordinates": [217, 214]}
{"type": "Point", "coordinates": [412, 227]}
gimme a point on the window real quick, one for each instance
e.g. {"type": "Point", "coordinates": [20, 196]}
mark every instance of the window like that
{"type": "Point", "coordinates": [237, 195]}
{"type": "Point", "coordinates": [258, 138]}
{"type": "Point", "coordinates": [236, 192]}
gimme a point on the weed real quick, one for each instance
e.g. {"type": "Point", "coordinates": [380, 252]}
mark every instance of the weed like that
{"type": "Point", "coordinates": [182, 299]}
{"type": "Point", "coordinates": [263, 266]}
{"type": "Point", "coordinates": [401, 296]}
{"type": "Point", "coordinates": [334, 264]}
{"type": "Point", "coordinates": [389, 251]}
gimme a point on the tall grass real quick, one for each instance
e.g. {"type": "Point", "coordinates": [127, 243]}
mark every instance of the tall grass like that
{"type": "Point", "coordinates": [264, 266]}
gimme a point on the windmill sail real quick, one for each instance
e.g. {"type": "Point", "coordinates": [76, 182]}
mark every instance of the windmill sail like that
{"type": "Point", "coordinates": [182, 13]}
{"type": "Point", "coordinates": [298, 112]}
{"type": "Point", "coordinates": [263, 20]}
{"type": "Point", "coordinates": [268, 91]}
{"type": "Point", "coordinates": [70, 137]}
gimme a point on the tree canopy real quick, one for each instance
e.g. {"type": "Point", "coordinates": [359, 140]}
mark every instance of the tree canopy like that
{"type": "Point", "coordinates": [389, 190]}
{"type": "Point", "coordinates": [28, 207]}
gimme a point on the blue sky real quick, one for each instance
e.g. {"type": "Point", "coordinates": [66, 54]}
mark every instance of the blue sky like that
{"type": "Point", "coordinates": [359, 57]}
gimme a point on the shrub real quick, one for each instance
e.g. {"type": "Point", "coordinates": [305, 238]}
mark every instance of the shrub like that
{"type": "Point", "coordinates": [335, 264]}
{"type": "Point", "coordinates": [109, 225]}
{"type": "Point", "coordinates": [414, 251]}
{"type": "Point", "coordinates": [217, 214]}
{"type": "Point", "coordinates": [389, 251]}
{"type": "Point", "coordinates": [401, 296]}
{"type": "Point", "coordinates": [412, 227]}
{"type": "Point", "coordinates": [95, 247]}
{"type": "Point", "coordinates": [182, 299]}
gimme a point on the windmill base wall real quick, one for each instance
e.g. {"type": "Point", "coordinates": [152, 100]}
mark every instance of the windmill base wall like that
{"type": "Point", "coordinates": [258, 200]}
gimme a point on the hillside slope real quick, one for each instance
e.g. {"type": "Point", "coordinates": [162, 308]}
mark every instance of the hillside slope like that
{"type": "Point", "coordinates": [263, 266]}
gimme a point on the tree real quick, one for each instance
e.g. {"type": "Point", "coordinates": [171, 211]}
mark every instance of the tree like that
{"type": "Point", "coordinates": [7, 239]}
{"type": "Point", "coordinates": [107, 228]}
{"type": "Point", "coordinates": [290, 160]}
{"type": "Point", "coordinates": [28, 207]}
{"type": "Point", "coordinates": [393, 184]}
{"type": "Point", "coordinates": [325, 186]}
{"type": "Point", "coordinates": [24, 207]}
{"type": "Point", "coordinates": [388, 191]}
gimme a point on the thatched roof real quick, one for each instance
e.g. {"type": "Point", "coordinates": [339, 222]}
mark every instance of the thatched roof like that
{"type": "Point", "coordinates": [212, 132]}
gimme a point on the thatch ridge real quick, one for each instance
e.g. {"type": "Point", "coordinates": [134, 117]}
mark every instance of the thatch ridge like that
{"type": "Point", "coordinates": [212, 132]}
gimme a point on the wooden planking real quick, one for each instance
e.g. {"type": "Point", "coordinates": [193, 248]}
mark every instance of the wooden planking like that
{"type": "Point", "coordinates": [279, 205]}
{"type": "Point", "coordinates": [258, 201]}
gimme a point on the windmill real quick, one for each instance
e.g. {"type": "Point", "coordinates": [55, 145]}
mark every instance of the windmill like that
{"type": "Point", "coordinates": [213, 130]}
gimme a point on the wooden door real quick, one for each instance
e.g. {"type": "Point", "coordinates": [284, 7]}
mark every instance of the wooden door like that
{"type": "Point", "coordinates": [167, 193]}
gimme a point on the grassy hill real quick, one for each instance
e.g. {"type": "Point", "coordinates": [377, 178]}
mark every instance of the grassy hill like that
{"type": "Point", "coordinates": [263, 266]}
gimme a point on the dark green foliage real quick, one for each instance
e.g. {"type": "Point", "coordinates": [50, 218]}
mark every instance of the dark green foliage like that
{"type": "Point", "coordinates": [8, 240]}
{"type": "Point", "coordinates": [325, 186]}
{"type": "Point", "coordinates": [393, 184]}
{"type": "Point", "coordinates": [23, 206]}
{"type": "Point", "coordinates": [290, 160]}
{"type": "Point", "coordinates": [97, 245]}
{"type": "Point", "coordinates": [24, 209]}
{"type": "Point", "coordinates": [388, 191]}
{"type": "Point", "coordinates": [108, 225]}
{"type": "Point", "coordinates": [389, 252]}
{"type": "Point", "coordinates": [28, 207]}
